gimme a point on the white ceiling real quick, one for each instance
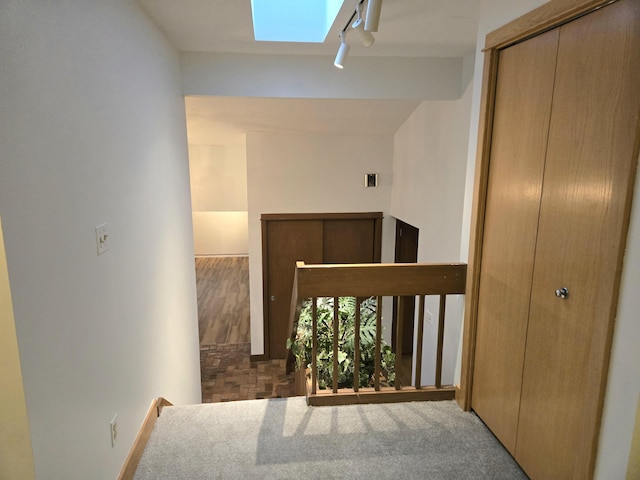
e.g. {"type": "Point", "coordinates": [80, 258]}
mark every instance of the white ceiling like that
{"type": "Point", "coordinates": [416, 28]}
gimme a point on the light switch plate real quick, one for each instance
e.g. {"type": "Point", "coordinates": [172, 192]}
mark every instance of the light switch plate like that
{"type": "Point", "coordinates": [102, 238]}
{"type": "Point", "coordinates": [370, 179]}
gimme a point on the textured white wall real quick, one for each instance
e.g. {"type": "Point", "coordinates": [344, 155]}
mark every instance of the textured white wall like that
{"type": "Point", "coordinates": [429, 165]}
{"type": "Point", "coordinates": [219, 199]}
{"type": "Point", "coordinates": [314, 76]}
{"type": "Point", "coordinates": [220, 233]}
{"type": "Point", "coordinates": [218, 178]}
{"type": "Point", "coordinates": [293, 173]}
{"type": "Point", "coordinates": [93, 131]}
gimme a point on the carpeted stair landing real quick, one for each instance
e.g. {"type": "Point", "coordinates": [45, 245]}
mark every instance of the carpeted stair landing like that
{"type": "Point", "coordinates": [284, 438]}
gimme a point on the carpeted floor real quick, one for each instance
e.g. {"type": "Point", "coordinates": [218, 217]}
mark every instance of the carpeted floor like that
{"type": "Point", "coordinates": [283, 438]}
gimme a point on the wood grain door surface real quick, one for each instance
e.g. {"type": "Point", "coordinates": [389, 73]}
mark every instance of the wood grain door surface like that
{"type": "Point", "coordinates": [562, 166]}
{"type": "Point", "coordinates": [314, 239]}
{"type": "Point", "coordinates": [348, 241]}
{"type": "Point", "coordinates": [406, 251]}
{"type": "Point", "coordinates": [288, 242]}
{"type": "Point", "coordinates": [589, 172]}
{"type": "Point", "coordinates": [526, 73]}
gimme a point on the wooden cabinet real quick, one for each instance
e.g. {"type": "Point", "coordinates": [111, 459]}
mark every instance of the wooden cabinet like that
{"type": "Point", "coordinates": [312, 238]}
{"type": "Point", "coordinates": [564, 148]}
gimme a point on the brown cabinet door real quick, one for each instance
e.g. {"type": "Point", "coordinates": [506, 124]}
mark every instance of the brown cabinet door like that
{"type": "Point", "coordinates": [406, 251]}
{"type": "Point", "coordinates": [287, 243]}
{"type": "Point", "coordinates": [584, 213]}
{"type": "Point", "coordinates": [313, 239]}
{"type": "Point", "coordinates": [348, 241]}
{"type": "Point", "coordinates": [521, 119]}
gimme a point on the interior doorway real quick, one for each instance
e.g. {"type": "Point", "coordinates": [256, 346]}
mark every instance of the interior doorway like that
{"type": "Point", "coordinates": [406, 251]}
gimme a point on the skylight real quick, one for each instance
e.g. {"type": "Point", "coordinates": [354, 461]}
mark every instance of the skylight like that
{"type": "Point", "coordinates": [306, 21]}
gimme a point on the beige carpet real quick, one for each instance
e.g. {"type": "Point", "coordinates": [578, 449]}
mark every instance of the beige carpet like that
{"type": "Point", "coordinates": [283, 438]}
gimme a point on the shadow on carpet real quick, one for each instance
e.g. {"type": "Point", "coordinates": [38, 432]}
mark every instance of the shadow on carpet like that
{"type": "Point", "coordinates": [284, 438]}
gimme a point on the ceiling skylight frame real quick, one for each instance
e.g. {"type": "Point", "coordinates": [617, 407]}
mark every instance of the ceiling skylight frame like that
{"type": "Point", "coordinates": [302, 21]}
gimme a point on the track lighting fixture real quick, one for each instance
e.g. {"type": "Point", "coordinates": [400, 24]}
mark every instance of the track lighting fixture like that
{"type": "Point", "coordinates": [366, 38]}
{"type": "Point", "coordinates": [374, 7]}
{"type": "Point", "coordinates": [362, 28]}
{"type": "Point", "coordinates": [343, 51]}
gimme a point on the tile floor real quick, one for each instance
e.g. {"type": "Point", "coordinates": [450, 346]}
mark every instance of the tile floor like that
{"type": "Point", "coordinates": [227, 372]}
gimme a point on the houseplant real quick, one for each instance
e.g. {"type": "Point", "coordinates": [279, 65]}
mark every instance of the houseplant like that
{"type": "Point", "coordinates": [301, 345]}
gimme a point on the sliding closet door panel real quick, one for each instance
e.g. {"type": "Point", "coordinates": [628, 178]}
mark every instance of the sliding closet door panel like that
{"type": "Point", "coordinates": [593, 142]}
{"type": "Point", "coordinates": [348, 241]}
{"type": "Point", "coordinates": [522, 111]}
{"type": "Point", "coordinates": [288, 241]}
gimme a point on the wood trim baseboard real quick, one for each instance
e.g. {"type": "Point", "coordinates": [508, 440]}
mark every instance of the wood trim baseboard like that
{"type": "Point", "coordinates": [385, 395]}
{"type": "Point", "coordinates": [139, 444]}
{"type": "Point", "coordinates": [487, 99]}
{"type": "Point", "coordinates": [323, 216]}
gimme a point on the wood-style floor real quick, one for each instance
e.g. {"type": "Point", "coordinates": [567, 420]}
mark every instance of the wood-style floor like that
{"type": "Point", "coordinates": [222, 284]}
{"type": "Point", "coordinates": [227, 372]}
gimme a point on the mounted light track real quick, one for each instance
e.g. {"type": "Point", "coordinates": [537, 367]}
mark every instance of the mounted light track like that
{"type": "Point", "coordinates": [362, 28]}
{"type": "Point", "coordinates": [374, 8]}
{"type": "Point", "coordinates": [343, 51]}
{"type": "Point", "coordinates": [366, 38]}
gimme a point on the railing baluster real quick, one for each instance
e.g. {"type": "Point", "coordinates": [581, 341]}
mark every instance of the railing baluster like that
{"type": "Point", "coordinates": [443, 301]}
{"type": "Point", "coordinates": [336, 332]}
{"type": "Point", "coordinates": [354, 282]}
{"type": "Point", "coordinates": [356, 348]}
{"type": "Point", "coordinates": [376, 380]}
{"type": "Point", "coordinates": [314, 346]}
{"type": "Point", "coordinates": [419, 343]}
{"type": "Point", "coordinates": [399, 334]}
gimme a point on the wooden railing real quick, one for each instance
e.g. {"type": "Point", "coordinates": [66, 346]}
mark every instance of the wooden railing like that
{"type": "Point", "coordinates": [376, 280]}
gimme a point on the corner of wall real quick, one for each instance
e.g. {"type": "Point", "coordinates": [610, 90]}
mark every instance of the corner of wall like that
{"type": "Point", "coordinates": [15, 439]}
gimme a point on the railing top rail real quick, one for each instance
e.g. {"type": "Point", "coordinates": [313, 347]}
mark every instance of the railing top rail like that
{"type": "Point", "coordinates": [380, 279]}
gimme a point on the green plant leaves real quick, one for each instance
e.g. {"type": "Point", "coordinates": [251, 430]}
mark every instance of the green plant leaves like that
{"type": "Point", "coordinates": [301, 347]}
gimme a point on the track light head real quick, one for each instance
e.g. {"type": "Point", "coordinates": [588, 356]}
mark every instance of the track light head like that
{"type": "Point", "coordinates": [366, 38]}
{"type": "Point", "coordinates": [343, 51]}
{"type": "Point", "coordinates": [374, 7]}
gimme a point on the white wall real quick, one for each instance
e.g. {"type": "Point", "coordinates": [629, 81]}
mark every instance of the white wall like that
{"type": "Point", "coordinates": [220, 233]}
{"type": "Point", "coordinates": [218, 178]}
{"type": "Point", "coordinates": [219, 199]}
{"type": "Point", "coordinates": [429, 165]}
{"type": "Point", "coordinates": [93, 131]}
{"type": "Point", "coordinates": [314, 76]}
{"type": "Point", "coordinates": [623, 386]}
{"type": "Point", "coordinates": [294, 173]}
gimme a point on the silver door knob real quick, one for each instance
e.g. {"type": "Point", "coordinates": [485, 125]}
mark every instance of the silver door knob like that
{"type": "Point", "coordinates": [562, 293]}
{"type": "Point", "coordinates": [273, 298]}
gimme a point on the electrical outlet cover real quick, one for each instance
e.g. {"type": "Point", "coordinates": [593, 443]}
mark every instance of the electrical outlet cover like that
{"type": "Point", "coordinates": [114, 430]}
{"type": "Point", "coordinates": [429, 317]}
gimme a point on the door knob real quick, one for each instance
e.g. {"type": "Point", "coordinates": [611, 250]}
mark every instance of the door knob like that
{"type": "Point", "coordinates": [273, 298]}
{"type": "Point", "coordinates": [562, 293]}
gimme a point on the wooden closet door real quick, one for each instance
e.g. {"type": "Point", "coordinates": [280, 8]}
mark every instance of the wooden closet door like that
{"type": "Point", "coordinates": [588, 184]}
{"type": "Point", "coordinates": [349, 241]}
{"type": "Point", "coordinates": [312, 238]}
{"type": "Point", "coordinates": [288, 241]}
{"type": "Point", "coordinates": [519, 140]}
